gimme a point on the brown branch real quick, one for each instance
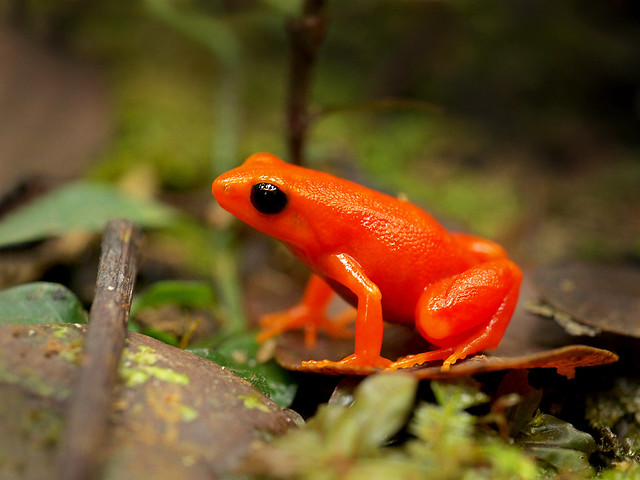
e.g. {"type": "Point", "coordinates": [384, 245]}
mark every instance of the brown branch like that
{"type": "Point", "coordinates": [307, 33]}
{"type": "Point", "coordinates": [104, 342]}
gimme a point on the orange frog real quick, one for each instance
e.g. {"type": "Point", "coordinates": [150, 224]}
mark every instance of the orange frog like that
{"type": "Point", "coordinates": [384, 255]}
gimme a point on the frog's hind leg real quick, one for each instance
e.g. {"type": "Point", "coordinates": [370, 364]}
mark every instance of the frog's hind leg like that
{"type": "Point", "coordinates": [309, 314]}
{"type": "Point", "coordinates": [467, 313]}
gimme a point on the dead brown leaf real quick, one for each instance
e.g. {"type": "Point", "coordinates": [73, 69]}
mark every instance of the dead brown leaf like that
{"type": "Point", "coordinates": [529, 342]}
{"type": "Point", "coordinates": [592, 297]}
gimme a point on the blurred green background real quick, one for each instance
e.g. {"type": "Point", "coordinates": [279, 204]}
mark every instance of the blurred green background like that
{"type": "Point", "coordinates": [514, 119]}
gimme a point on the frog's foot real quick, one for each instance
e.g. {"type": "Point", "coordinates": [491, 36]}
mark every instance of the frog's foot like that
{"type": "Point", "coordinates": [312, 321]}
{"type": "Point", "coordinates": [449, 355]}
{"type": "Point", "coordinates": [354, 360]}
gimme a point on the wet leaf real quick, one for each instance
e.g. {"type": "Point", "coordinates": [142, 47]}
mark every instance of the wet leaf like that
{"type": "Point", "coordinates": [558, 443]}
{"type": "Point", "coordinates": [40, 302]}
{"type": "Point", "coordinates": [84, 206]}
{"type": "Point", "coordinates": [239, 355]}
{"type": "Point", "coordinates": [174, 415]}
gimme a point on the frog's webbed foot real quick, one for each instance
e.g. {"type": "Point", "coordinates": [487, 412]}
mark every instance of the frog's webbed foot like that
{"type": "Point", "coordinates": [350, 361]}
{"type": "Point", "coordinates": [309, 319]}
{"type": "Point", "coordinates": [447, 354]}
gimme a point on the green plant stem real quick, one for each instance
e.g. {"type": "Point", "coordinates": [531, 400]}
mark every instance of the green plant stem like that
{"type": "Point", "coordinates": [225, 48]}
{"type": "Point", "coordinates": [225, 272]}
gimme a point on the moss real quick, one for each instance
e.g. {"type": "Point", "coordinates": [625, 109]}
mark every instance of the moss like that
{"type": "Point", "coordinates": [252, 401]}
{"type": "Point", "coordinates": [139, 367]}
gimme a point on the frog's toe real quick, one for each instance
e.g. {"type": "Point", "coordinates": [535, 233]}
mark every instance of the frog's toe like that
{"type": "Point", "coordinates": [348, 362]}
{"type": "Point", "coordinates": [420, 358]}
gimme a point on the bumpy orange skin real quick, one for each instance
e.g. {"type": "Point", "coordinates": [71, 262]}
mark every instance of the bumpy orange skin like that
{"type": "Point", "coordinates": [386, 256]}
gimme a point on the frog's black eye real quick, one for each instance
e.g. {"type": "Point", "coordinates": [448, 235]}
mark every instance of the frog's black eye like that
{"type": "Point", "coordinates": [267, 198]}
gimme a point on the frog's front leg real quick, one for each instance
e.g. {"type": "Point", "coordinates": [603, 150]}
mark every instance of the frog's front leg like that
{"type": "Point", "coordinates": [309, 314]}
{"type": "Point", "coordinates": [467, 313]}
{"type": "Point", "coordinates": [369, 328]}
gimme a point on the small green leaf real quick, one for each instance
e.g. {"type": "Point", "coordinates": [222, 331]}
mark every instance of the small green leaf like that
{"type": "Point", "coordinates": [558, 443]}
{"type": "Point", "coordinates": [183, 293]}
{"type": "Point", "coordinates": [458, 396]}
{"type": "Point", "coordinates": [380, 408]}
{"type": "Point", "coordinates": [81, 205]}
{"type": "Point", "coordinates": [40, 302]}
{"type": "Point", "coordinates": [238, 354]}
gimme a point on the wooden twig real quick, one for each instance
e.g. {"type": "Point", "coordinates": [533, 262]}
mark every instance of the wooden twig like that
{"type": "Point", "coordinates": [307, 33]}
{"type": "Point", "coordinates": [104, 342]}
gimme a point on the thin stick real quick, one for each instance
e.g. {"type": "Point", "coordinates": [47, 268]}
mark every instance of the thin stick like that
{"type": "Point", "coordinates": [307, 34]}
{"type": "Point", "coordinates": [104, 342]}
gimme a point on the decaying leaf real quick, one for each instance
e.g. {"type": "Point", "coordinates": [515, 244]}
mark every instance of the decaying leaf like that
{"type": "Point", "coordinates": [590, 297]}
{"type": "Point", "coordinates": [175, 415]}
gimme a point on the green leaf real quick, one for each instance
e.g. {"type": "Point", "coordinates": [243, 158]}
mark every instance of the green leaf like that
{"type": "Point", "coordinates": [345, 441]}
{"type": "Point", "coordinates": [380, 408]}
{"type": "Point", "coordinates": [81, 205]}
{"type": "Point", "coordinates": [458, 396]}
{"type": "Point", "coordinates": [558, 443]}
{"type": "Point", "coordinates": [184, 293]}
{"type": "Point", "coordinates": [238, 355]}
{"type": "Point", "coordinates": [40, 302]}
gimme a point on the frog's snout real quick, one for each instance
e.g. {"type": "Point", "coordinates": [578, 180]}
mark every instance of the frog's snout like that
{"type": "Point", "coordinates": [218, 188]}
{"type": "Point", "coordinates": [223, 187]}
{"type": "Point", "coordinates": [229, 193]}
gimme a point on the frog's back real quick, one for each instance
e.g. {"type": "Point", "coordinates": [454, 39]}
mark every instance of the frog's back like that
{"type": "Point", "coordinates": [400, 247]}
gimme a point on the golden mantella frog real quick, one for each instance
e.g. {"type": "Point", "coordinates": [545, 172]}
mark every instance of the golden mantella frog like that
{"type": "Point", "coordinates": [387, 257]}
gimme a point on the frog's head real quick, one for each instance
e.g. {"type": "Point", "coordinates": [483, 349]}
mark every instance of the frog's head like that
{"type": "Point", "coordinates": [270, 195]}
